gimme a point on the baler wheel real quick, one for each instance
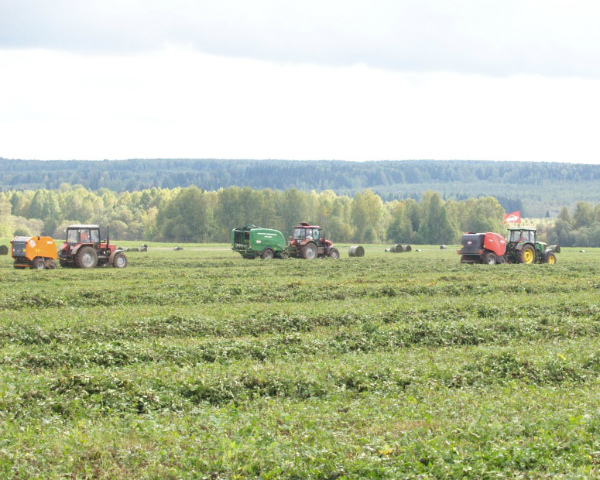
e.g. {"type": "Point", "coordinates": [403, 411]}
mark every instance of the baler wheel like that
{"type": "Point", "coordinates": [267, 254]}
{"type": "Point", "coordinates": [489, 258]}
{"type": "Point", "coordinates": [38, 263]}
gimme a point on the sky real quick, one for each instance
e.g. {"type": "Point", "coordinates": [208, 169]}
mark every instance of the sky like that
{"type": "Point", "coordinates": [274, 79]}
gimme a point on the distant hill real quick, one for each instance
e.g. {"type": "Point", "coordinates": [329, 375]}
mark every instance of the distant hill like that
{"type": "Point", "coordinates": [529, 186]}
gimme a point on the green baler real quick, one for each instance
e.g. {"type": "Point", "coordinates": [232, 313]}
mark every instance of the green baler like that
{"type": "Point", "coordinates": [252, 241]}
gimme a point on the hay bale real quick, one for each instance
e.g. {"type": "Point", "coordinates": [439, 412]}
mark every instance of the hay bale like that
{"type": "Point", "coordinates": [397, 248]}
{"type": "Point", "coordinates": [442, 247]}
{"type": "Point", "coordinates": [3, 250]}
{"type": "Point", "coordinates": [581, 251]}
{"type": "Point", "coordinates": [388, 249]}
{"type": "Point", "coordinates": [356, 251]}
{"type": "Point", "coordinates": [554, 248]}
{"type": "Point", "coordinates": [144, 248]}
{"type": "Point", "coordinates": [177, 248]}
{"type": "Point", "coordinates": [418, 250]}
{"type": "Point", "coordinates": [407, 248]}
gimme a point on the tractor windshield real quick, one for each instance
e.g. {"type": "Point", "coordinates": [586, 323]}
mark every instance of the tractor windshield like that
{"type": "Point", "coordinates": [83, 235]}
{"type": "Point", "coordinates": [517, 236]}
{"type": "Point", "coordinates": [73, 236]}
{"type": "Point", "coordinates": [300, 233]}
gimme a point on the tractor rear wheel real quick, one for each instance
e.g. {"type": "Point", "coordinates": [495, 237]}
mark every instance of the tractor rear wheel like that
{"type": "Point", "coordinates": [309, 251]}
{"type": "Point", "coordinates": [267, 254]}
{"type": "Point", "coordinates": [334, 253]}
{"type": "Point", "coordinates": [120, 261]}
{"type": "Point", "coordinates": [526, 254]}
{"type": "Point", "coordinates": [38, 263]}
{"type": "Point", "coordinates": [550, 258]}
{"type": "Point", "coordinates": [489, 258]}
{"type": "Point", "coordinates": [86, 258]}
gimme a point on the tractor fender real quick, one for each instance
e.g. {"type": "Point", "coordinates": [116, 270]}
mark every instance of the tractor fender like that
{"type": "Point", "coordinates": [75, 249]}
{"type": "Point", "coordinates": [112, 256]}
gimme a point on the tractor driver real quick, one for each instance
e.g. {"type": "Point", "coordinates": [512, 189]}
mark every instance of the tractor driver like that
{"type": "Point", "coordinates": [84, 237]}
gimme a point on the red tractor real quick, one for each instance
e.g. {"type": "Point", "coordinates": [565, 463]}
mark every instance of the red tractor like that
{"type": "Point", "coordinates": [308, 241]}
{"type": "Point", "coordinates": [84, 249]}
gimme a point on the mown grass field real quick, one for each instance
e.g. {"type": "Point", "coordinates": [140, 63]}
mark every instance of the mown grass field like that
{"type": "Point", "coordinates": [199, 364]}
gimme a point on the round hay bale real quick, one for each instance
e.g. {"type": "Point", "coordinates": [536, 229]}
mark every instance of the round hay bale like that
{"type": "Point", "coordinates": [144, 248]}
{"type": "Point", "coordinates": [442, 247]}
{"type": "Point", "coordinates": [397, 248]}
{"type": "Point", "coordinates": [418, 250]}
{"type": "Point", "coordinates": [387, 249]}
{"type": "Point", "coordinates": [407, 248]}
{"type": "Point", "coordinates": [356, 251]}
{"type": "Point", "coordinates": [3, 250]}
{"type": "Point", "coordinates": [581, 251]}
{"type": "Point", "coordinates": [555, 248]}
{"type": "Point", "coordinates": [177, 248]}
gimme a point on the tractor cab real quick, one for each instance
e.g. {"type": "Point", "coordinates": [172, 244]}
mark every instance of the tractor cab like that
{"type": "Point", "coordinates": [521, 235]}
{"type": "Point", "coordinates": [77, 234]}
{"type": "Point", "coordinates": [309, 241]}
{"type": "Point", "coordinates": [522, 247]}
{"type": "Point", "coordinates": [305, 232]}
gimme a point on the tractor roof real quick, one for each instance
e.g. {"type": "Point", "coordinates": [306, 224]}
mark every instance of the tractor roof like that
{"type": "Point", "coordinates": [306, 225]}
{"type": "Point", "coordinates": [83, 226]}
{"type": "Point", "coordinates": [523, 228]}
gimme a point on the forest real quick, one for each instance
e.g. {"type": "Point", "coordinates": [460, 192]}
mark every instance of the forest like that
{"type": "Point", "coordinates": [195, 215]}
{"type": "Point", "coordinates": [532, 187]}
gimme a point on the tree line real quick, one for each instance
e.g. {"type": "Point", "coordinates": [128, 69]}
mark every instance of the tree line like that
{"type": "Point", "coordinates": [532, 187]}
{"type": "Point", "coordinates": [195, 215]}
{"type": "Point", "coordinates": [579, 228]}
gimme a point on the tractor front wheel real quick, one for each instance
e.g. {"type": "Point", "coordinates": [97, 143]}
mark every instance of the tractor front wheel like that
{"type": "Point", "coordinates": [120, 261]}
{"type": "Point", "coordinates": [334, 253]}
{"type": "Point", "coordinates": [489, 258]}
{"type": "Point", "coordinates": [526, 254]}
{"type": "Point", "coordinates": [309, 251]}
{"type": "Point", "coordinates": [86, 258]}
{"type": "Point", "coordinates": [550, 258]}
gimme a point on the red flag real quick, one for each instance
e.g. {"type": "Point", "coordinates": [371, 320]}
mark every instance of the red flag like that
{"type": "Point", "coordinates": [514, 217]}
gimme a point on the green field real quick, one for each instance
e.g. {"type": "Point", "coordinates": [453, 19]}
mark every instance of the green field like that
{"type": "Point", "coordinates": [199, 364]}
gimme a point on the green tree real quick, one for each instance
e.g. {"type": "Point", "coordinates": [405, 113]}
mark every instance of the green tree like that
{"type": "Point", "coordinates": [583, 215]}
{"type": "Point", "coordinates": [189, 217]}
{"type": "Point", "coordinates": [367, 213]}
{"type": "Point", "coordinates": [399, 229]}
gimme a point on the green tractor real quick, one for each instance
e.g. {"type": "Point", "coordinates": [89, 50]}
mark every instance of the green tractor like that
{"type": "Point", "coordinates": [522, 247]}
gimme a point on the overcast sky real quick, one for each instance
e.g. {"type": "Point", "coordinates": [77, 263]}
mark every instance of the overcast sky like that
{"type": "Point", "coordinates": [348, 80]}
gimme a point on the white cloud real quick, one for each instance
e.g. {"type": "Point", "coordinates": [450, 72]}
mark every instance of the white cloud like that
{"type": "Point", "coordinates": [557, 38]}
{"type": "Point", "coordinates": [179, 103]}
